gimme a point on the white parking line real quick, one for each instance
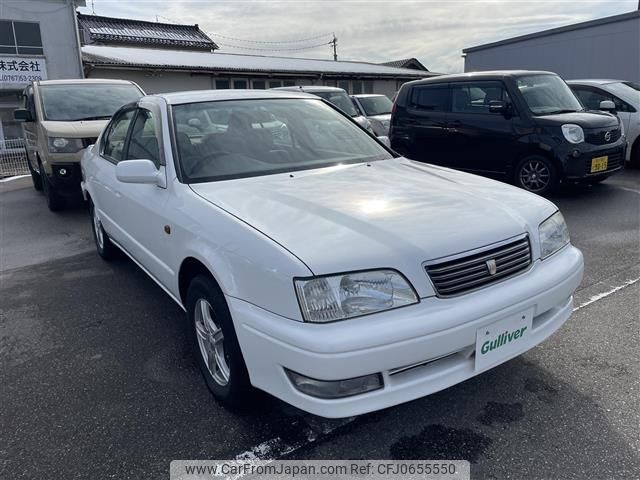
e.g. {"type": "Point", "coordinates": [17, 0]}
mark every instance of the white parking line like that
{"type": "Point", "coordinates": [602, 295]}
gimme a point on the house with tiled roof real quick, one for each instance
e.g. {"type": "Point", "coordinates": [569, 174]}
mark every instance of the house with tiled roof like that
{"type": "Point", "coordinates": [99, 30]}
{"type": "Point", "coordinates": [411, 63]}
{"type": "Point", "coordinates": [163, 57]}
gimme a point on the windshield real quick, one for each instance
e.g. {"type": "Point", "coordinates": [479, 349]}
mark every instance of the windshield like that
{"type": "Point", "coordinates": [243, 138]}
{"type": "Point", "coordinates": [547, 94]}
{"type": "Point", "coordinates": [95, 101]}
{"type": "Point", "coordinates": [340, 100]}
{"type": "Point", "coordinates": [379, 105]}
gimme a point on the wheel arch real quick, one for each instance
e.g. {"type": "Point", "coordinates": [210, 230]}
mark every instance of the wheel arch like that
{"type": "Point", "coordinates": [190, 268]}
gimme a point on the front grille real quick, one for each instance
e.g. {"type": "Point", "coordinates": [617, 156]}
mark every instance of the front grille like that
{"type": "Point", "coordinates": [462, 275]}
{"type": "Point", "coordinates": [89, 141]}
{"type": "Point", "coordinates": [599, 136]}
{"type": "Point", "coordinates": [614, 161]}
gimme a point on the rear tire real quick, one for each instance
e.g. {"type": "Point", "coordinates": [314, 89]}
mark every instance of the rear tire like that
{"type": "Point", "coordinates": [106, 249]}
{"type": "Point", "coordinates": [536, 174]}
{"type": "Point", "coordinates": [54, 201]}
{"type": "Point", "coordinates": [215, 344]}
{"type": "Point", "coordinates": [35, 177]}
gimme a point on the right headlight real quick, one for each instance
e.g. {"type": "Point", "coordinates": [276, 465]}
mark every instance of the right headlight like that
{"type": "Point", "coordinates": [573, 133]}
{"type": "Point", "coordinates": [554, 235]}
{"type": "Point", "coordinates": [338, 297]}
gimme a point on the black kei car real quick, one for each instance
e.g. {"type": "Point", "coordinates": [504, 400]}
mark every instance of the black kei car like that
{"type": "Point", "coordinates": [523, 126]}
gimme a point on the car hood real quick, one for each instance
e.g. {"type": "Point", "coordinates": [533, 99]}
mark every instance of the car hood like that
{"type": "Point", "coordinates": [362, 121]}
{"type": "Point", "coordinates": [82, 129]}
{"type": "Point", "coordinates": [394, 213]}
{"type": "Point", "coordinates": [590, 119]}
{"type": "Point", "coordinates": [385, 117]}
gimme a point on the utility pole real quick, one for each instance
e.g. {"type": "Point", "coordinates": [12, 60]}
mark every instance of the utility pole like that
{"type": "Point", "coordinates": [334, 43]}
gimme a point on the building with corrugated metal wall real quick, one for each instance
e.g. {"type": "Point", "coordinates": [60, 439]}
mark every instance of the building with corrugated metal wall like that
{"type": "Point", "coordinates": [603, 48]}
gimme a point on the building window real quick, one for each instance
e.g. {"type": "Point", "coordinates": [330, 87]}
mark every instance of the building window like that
{"type": "Point", "coordinates": [20, 38]}
{"type": "Point", "coordinates": [222, 84]}
{"type": "Point", "coordinates": [275, 83]}
{"type": "Point", "coordinates": [368, 86]}
{"type": "Point", "coordinates": [357, 87]}
{"type": "Point", "coordinates": [259, 84]}
{"type": "Point", "coordinates": [344, 84]}
{"type": "Point", "coordinates": [331, 83]}
{"type": "Point", "coordinates": [240, 84]}
{"type": "Point", "coordinates": [289, 83]}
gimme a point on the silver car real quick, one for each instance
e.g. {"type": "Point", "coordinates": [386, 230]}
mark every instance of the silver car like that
{"type": "Point", "coordinates": [377, 109]}
{"type": "Point", "coordinates": [336, 96]}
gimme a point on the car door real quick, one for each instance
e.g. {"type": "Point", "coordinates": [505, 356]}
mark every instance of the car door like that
{"type": "Point", "coordinates": [141, 214]}
{"type": "Point", "coordinates": [104, 186]}
{"type": "Point", "coordinates": [484, 141]}
{"type": "Point", "coordinates": [425, 125]}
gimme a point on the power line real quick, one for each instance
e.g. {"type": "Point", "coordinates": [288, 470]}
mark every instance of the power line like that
{"type": "Point", "coordinates": [308, 47]}
{"type": "Point", "coordinates": [282, 42]}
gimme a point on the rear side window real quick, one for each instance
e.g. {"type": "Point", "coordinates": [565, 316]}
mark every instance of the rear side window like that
{"type": "Point", "coordinates": [434, 98]}
{"type": "Point", "coordinates": [474, 97]}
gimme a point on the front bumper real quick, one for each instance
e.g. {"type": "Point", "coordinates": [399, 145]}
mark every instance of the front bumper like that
{"type": "Point", "coordinates": [436, 328]}
{"type": "Point", "coordinates": [579, 168]}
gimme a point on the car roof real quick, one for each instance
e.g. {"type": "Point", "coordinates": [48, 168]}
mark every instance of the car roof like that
{"type": "Point", "coordinates": [487, 75]}
{"type": "Point", "coordinates": [367, 95]}
{"type": "Point", "coordinates": [311, 88]}
{"type": "Point", "coordinates": [593, 81]}
{"type": "Point", "coordinates": [194, 96]}
{"type": "Point", "coordinates": [77, 81]}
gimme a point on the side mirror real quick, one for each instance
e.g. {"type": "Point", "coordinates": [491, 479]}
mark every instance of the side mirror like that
{"type": "Point", "coordinates": [23, 115]}
{"type": "Point", "coordinates": [138, 171]}
{"type": "Point", "coordinates": [385, 140]}
{"type": "Point", "coordinates": [607, 106]}
{"type": "Point", "coordinates": [498, 106]}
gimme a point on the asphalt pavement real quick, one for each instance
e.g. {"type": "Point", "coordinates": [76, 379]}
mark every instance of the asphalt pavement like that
{"type": "Point", "coordinates": [97, 379]}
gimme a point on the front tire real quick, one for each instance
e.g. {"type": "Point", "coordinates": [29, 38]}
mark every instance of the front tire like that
{"type": "Point", "coordinates": [106, 249]}
{"type": "Point", "coordinates": [536, 174]}
{"type": "Point", "coordinates": [35, 176]}
{"type": "Point", "coordinates": [54, 201]}
{"type": "Point", "coordinates": [215, 343]}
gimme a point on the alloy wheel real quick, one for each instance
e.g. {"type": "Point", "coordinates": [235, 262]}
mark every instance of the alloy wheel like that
{"type": "Point", "coordinates": [97, 228]}
{"type": "Point", "coordinates": [211, 342]}
{"type": "Point", "coordinates": [535, 175]}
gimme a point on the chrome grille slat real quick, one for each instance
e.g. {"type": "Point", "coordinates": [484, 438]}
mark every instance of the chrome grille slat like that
{"type": "Point", "coordinates": [454, 277]}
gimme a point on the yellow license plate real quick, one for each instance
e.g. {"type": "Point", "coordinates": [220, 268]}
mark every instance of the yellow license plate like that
{"type": "Point", "coordinates": [599, 164]}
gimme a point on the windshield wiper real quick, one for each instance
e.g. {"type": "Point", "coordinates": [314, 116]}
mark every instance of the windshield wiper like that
{"type": "Point", "coordinates": [96, 117]}
{"type": "Point", "coordinates": [564, 110]}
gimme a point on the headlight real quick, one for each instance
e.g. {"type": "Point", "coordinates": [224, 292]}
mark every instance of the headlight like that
{"type": "Point", "coordinates": [573, 133]}
{"type": "Point", "coordinates": [64, 145]}
{"type": "Point", "coordinates": [553, 235]}
{"type": "Point", "coordinates": [338, 297]}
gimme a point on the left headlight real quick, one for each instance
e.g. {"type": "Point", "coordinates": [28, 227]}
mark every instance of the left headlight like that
{"type": "Point", "coordinates": [554, 235]}
{"type": "Point", "coordinates": [64, 145]}
{"type": "Point", "coordinates": [338, 297]}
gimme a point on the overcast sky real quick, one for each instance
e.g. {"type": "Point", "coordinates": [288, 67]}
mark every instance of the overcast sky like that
{"type": "Point", "coordinates": [435, 32]}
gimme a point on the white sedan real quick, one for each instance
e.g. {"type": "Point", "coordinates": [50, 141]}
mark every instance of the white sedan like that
{"type": "Point", "coordinates": [315, 264]}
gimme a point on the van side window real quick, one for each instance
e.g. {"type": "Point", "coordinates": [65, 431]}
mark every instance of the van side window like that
{"type": "Point", "coordinates": [113, 144]}
{"type": "Point", "coordinates": [433, 98]}
{"type": "Point", "coordinates": [474, 97]}
{"type": "Point", "coordinates": [143, 143]}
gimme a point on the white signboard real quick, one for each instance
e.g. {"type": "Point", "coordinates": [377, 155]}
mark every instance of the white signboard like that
{"type": "Point", "coordinates": [18, 72]}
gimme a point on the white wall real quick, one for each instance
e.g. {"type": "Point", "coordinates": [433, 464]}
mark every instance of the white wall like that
{"type": "Point", "coordinates": [57, 29]}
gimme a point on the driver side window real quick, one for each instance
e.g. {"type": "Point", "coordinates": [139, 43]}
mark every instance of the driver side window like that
{"type": "Point", "coordinates": [143, 143]}
{"type": "Point", "coordinates": [114, 142]}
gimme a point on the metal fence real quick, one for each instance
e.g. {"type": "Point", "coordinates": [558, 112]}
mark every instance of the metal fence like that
{"type": "Point", "coordinates": [13, 157]}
